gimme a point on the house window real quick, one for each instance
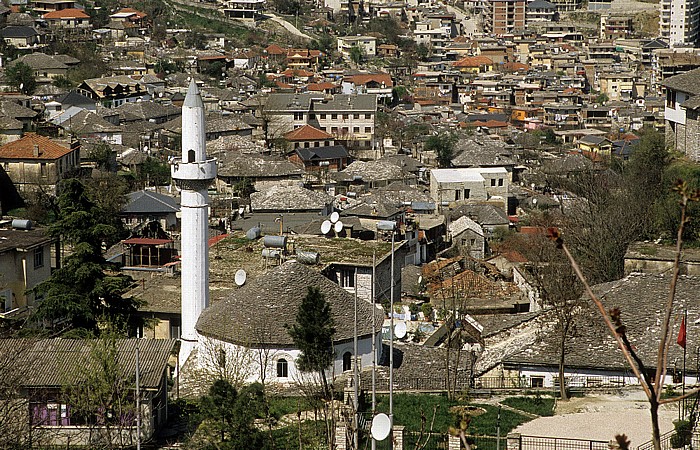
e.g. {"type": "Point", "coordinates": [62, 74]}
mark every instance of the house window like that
{"type": "Point", "coordinates": [355, 116]}
{"type": "Point", "coordinates": [323, 116]}
{"type": "Point", "coordinates": [175, 328]}
{"type": "Point", "coordinates": [282, 368]}
{"type": "Point", "coordinates": [355, 129]}
{"type": "Point", "coordinates": [671, 98]}
{"type": "Point", "coordinates": [345, 130]}
{"type": "Point", "coordinates": [347, 361]}
{"type": "Point", "coordinates": [345, 117]}
{"type": "Point", "coordinates": [493, 181]}
{"type": "Point", "coordinates": [306, 145]}
{"type": "Point", "coordinates": [298, 116]}
{"type": "Point", "coordinates": [44, 173]}
{"type": "Point", "coordinates": [347, 278]}
{"type": "Point", "coordinates": [334, 116]}
{"type": "Point", "coordinates": [536, 382]}
{"type": "Point", "coordinates": [367, 116]}
{"type": "Point", "coordinates": [334, 130]}
{"type": "Point", "coordinates": [458, 194]}
{"type": "Point", "coordinates": [500, 181]}
{"type": "Point", "coordinates": [51, 414]}
{"type": "Point", "coordinates": [38, 258]}
{"type": "Point", "coordinates": [190, 156]}
{"type": "Point", "coordinates": [466, 193]}
{"type": "Point", "coordinates": [368, 129]}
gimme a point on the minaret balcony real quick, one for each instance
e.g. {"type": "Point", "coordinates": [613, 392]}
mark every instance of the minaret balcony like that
{"type": "Point", "coordinates": [197, 170]}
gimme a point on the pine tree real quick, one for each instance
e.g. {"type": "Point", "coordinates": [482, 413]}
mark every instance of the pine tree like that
{"type": "Point", "coordinates": [313, 335]}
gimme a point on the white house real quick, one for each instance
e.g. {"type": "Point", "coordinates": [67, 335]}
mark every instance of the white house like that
{"type": "Point", "coordinates": [368, 45]}
{"type": "Point", "coordinates": [251, 326]}
{"type": "Point", "coordinates": [463, 185]}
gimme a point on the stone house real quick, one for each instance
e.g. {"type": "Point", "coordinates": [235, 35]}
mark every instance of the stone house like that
{"type": "Point", "coordinates": [37, 160]}
{"type": "Point", "coordinates": [468, 185]}
{"type": "Point", "coordinates": [682, 113]}
{"type": "Point", "coordinates": [25, 261]}
{"type": "Point", "coordinates": [68, 19]}
{"type": "Point", "coordinates": [468, 236]}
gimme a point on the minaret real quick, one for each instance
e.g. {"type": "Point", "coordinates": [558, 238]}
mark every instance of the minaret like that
{"type": "Point", "coordinates": [193, 173]}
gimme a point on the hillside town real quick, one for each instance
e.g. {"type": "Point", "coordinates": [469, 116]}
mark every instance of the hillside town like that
{"type": "Point", "coordinates": [385, 224]}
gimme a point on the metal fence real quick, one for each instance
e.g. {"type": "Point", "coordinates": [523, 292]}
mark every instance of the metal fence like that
{"type": "Point", "coordinates": [666, 442]}
{"type": "Point", "coordinates": [424, 441]}
{"type": "Point", "coordinates": [423, 384]}
{"type": "Point", "coordinates": [551, 443]}
{"type": "Point", "coordinates": [583, 382]}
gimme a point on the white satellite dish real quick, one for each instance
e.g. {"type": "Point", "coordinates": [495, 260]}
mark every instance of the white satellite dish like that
{"type": "Point", "coordinates": [338, 227]}
{"type": "Point", "coordinates": [240, 277]}
{"type": "Point", "coordinates": [381, 427]}
{"type": "Point", "coordinates": [335, 216]}
{"type": "Point", "coordinates": [400, 330]}
{"type": "Point", "coordinates": [326, 226]}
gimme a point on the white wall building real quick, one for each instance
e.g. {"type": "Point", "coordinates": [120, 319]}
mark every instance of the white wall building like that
{"type": "Point", "coordinates": [679, 22]}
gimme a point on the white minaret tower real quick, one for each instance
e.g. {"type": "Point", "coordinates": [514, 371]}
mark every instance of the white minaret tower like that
{"type": "Point", "coordinates": [193, 173]}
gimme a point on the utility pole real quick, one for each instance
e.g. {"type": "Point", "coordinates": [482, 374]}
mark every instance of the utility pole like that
{"type": "Point", "coordinates": [355, 373]}
{"type": "Point", "coordinates": [138, 400]}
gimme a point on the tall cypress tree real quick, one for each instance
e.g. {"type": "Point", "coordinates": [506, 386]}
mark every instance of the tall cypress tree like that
{"type": "Point", "coordinates": [313, 334]}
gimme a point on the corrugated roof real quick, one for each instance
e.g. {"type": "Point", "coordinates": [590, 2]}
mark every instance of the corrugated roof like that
{"type": "Point", "coordinates": [148, 202]}
{"type": "Point", "coordinates": [24, 148]}
{"type": "Point", "coordinates": [65, 362]}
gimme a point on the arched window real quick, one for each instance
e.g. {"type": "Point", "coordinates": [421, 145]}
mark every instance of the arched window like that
{"type": "Point", "coordinates": [282, 368]}
{"type": "Point", "coordinates": [347, 361]}
{"type": "Point", "coordinates": [190, 156]}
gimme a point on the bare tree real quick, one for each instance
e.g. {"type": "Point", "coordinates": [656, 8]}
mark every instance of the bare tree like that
{"type": "Point", "coordinates": [652, 386]}
{"type": "Point", "coordinates": [217, 360]}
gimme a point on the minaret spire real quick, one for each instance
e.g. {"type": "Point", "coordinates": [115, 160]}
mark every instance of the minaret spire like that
{"type": "Point", "coordinates": [193, 173]}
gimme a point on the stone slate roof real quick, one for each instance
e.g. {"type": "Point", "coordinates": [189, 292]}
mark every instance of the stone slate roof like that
{"type": "Point", "coordinates": [371, 171]}
{"type": "Point", "coordinates": [482, 214]}
{"type": "Point", "coordinates": [406, 162]}
{"type": "Point", "coordinates": [541, 4]}
{"type": "Point", "coordinates": [18, 32]}
{"type": "Point", "coordinates": [76, 99]}
{"type": "Point", "coordinates": [39, 61]}
{"type": "Point", "coordinates": [11, 239]}
{"type": "Point", "coordinates": [482, 152]}
{"type": "Point", "coordinates": [400, 193]}
{"type": "Point", "coordinates": [462, 224]}
{"type": "Point", "coordinates": [133, 111]}
{"type": "Point", "coordinates": [256, 314]}
{"type": "Point", "coordinates": [239, 165]}
{"type": "Point", "coordinates": [87, 122]}
{"type": "Point", "coordinates": [148, 202]}
{"type": "Point", "coordinates": [685, 82]}
{"type": "Point", "coordinates": [289, 198]}
{"type": "Point", "coordinates": [12, 109]}
{"type": "Point", "coordinates": [641, 298]}
{"type": "Point", "coordinates": [62, 362]}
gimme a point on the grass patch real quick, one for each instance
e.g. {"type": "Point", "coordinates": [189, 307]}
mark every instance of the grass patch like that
{"type": "Point", "coordinates": [312, 436]}
{"type": "Point", "coordinates": [488, 422]}
{"type": "Point", "coordinates": [408, 407]}
{"type": "Point", "coordinates": [280, 406]}
{"type": "Point", "coordinates": [534, 405]}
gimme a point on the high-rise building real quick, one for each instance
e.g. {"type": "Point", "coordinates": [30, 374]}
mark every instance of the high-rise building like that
{"type": "Point", "coordinates": [679, 22]}
{"type": "Point", "coordinates": [193, 173]}
{"type": "Point", "coordinates": [504, 16]}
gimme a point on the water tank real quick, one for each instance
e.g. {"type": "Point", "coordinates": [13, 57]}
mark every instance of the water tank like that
{"type": "Point", "coordinates": [22, 224]}
{"type": "Point", "coordinates": [311, 258]}
{"type": "Point", "coordinates": [275, 241]}
{"type": "Point", "coordinates": [253, 233]}
{"type": "Point", "coordinates": [271, 253]}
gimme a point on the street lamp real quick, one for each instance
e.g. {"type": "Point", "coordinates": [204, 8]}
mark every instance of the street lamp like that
{"type": "Point", "coordinates": [390, 225]}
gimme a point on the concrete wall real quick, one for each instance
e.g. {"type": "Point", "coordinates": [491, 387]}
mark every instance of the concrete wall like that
{"type": "Point", "coordinates": [17, 273]}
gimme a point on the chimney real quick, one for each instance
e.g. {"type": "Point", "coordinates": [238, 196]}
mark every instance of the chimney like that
{"type": "Point", "coordinates": [36, 151]}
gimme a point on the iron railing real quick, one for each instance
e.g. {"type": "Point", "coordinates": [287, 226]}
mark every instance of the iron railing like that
{"type": "Point", "coordinates": [552, 443]}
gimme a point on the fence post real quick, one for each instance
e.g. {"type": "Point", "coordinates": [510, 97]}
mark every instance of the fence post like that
{"type": "Point", "coordinates": [513, 441]}
{"type": "Point", "coordinates": [398, 437]}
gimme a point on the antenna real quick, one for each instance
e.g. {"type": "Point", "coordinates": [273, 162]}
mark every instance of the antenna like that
{"type": "Point", "coordinates": [338, 227]}
{"type": "Point", "coordinates": [334, 217]}
{"type": "Point", "coordinates": [381, 426]}
{"type": "Point", "coordinates": [400, 330]}
{"type": "Point", "coordinates": [326, 227]}
{"type": "Point", "coordinates": [240, 277]}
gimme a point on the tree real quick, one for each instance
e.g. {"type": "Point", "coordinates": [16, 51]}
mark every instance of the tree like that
{"type": "Point", "coordinates": [104, 400]}
{"type": "Point", "coordinates": [313, 334]}
{"type": "Point", "coordinates": [443, 145]}
{"type": "Point", "coordinates": [356, 54]}
{"type": "Point", "coordinates": [231, 415]}
{"type": "Point", "coordinates": [86, 291]}
{"type": "Point", "coordinates": [21, 77]}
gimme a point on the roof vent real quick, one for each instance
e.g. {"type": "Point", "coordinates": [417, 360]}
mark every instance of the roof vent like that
{"type": "Point", "coordinates": [36, 152]}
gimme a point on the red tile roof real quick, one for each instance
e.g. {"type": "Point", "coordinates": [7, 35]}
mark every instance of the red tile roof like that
{"type": "Point", "coordinates": [363, 79]}
{"type": "Point", "coordinates": [24, 148]}
{"type": "Point", "coordinates": [297, 73]}
{"type": "Point", "coordinates": [473, 61]}
{"type": "Point", "coordinates": [275, 49]}
{"type": "Point", "coordinates": [307, 133]}
{"type": "Point", "coordinates": [318, 87]}
{"type": "Point", "coordinates": [69, 13]}
{"type": "Point", "coordinates": [490, 123]}
{"type": "Point", "coordinates": [137, 13]}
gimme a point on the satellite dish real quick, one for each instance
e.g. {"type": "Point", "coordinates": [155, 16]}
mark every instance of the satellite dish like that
{"type": "Point", "coordinates": [335, 216]}
{"type": "Point", "coordinates": [326, 226]}
{"type": "Point", "coordinates": [240, 277]}
{"type": "Point", "coordinates": [400, 330]}
{"type": "Point", "coordinates": [381, 426]}
{"type": "Point", "coordinates": [338, 227]}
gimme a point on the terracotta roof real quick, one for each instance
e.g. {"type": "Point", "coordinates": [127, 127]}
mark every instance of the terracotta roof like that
{"type": "Point", "coordinates": [139, 14]}
{"type": "Point", "coordinates": [297, 73]}
{"type": "Point", "coordinates": [514, 66]}
{"type": "Point", "coordinates": [473, 61]}
{"type": "Point", "coordinates": [24, 148]}
{"type": "Point", "coordinates": [307, 133]}
{"type": "Point", "coordinates": [275, 49]}
{"type": "Point", "coordinates": [490, 124]}
{"type": "Point", "coordinates": [381, 78]}
{"type": "Point", "coordinates": [317, 87]}
{"type": "Point", "coordinates": [69, 13]}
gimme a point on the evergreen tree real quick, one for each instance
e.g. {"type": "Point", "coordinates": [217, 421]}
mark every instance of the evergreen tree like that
{"type": "Point", "coordinates": [313, 334]}
{"type": "Point", "coordinates": [86, 291]}
{"type": "Point", "coordinates": [443, 145]}
{"type": "Point", "coordinates": [21, 77]}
